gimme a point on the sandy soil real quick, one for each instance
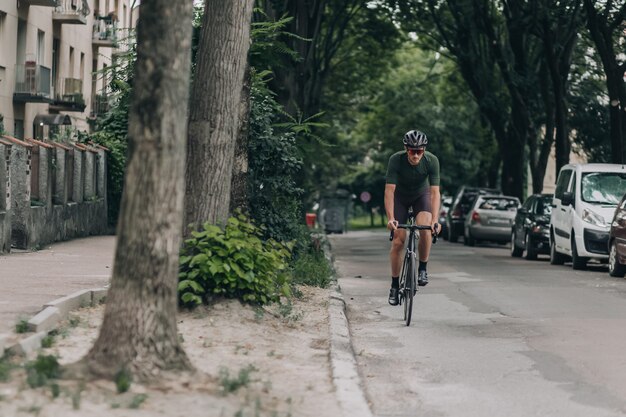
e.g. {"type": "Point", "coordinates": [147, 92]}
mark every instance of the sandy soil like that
{"type": "Point", "coordinates": [284, 351]}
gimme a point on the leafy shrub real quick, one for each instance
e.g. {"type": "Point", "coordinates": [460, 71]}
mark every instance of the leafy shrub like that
{"type": "Point", "coordinates": [43, 369]}
{"type": "Point", "coordinates": [274, 195]}
{"type": "Point", "coordinates": [1, 124]}
{"type": "Point", "coordinates": [123, 379]}
{"type": "Point", "coordinates": [234, 262]}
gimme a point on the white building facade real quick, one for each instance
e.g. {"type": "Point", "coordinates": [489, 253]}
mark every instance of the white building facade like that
{"type": "Point", "coordinates": [52, 56]}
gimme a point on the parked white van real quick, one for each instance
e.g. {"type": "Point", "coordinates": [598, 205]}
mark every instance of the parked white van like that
{"type": "Point", "coordinates": [585, 200]}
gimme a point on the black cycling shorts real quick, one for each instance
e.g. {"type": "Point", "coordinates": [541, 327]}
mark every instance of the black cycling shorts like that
{"type": "Point", "coordinates": [401, 204]}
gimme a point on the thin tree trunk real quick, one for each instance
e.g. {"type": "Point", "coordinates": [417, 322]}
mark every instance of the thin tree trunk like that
{"type": "Point", "coordinates": [139, 328]}
{"type": "Point", "coordinates": [215, 108]}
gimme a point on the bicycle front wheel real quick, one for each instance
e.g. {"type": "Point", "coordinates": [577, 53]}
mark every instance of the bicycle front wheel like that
{"type": "Point", "coordinates": [409, 291]}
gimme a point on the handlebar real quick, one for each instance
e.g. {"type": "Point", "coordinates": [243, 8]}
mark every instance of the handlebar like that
{"type": "Point", "coordinates": [414, 227]}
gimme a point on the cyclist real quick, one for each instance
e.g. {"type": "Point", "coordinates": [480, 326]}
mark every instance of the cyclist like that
{"type": "Point", "coordinates": [412, 181]}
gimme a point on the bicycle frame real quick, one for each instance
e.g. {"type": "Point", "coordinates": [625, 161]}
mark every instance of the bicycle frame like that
{"type": "Point", "coordinates": [408, 286]}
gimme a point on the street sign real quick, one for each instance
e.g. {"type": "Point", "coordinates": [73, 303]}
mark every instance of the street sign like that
{"type": "Point", "coordinates": [365, 196]}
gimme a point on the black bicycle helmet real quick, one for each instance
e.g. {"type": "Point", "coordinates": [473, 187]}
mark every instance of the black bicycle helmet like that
{"type": "Point", "coordinates": [415, 139]}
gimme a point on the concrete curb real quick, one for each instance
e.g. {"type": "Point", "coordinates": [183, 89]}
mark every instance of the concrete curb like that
{"type": "Point", "coordinates": [346, 377]}
{"type": "Point", "coordinates": [48, 319]}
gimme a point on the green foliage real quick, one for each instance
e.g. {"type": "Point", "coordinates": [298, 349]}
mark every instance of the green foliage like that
{"type": "Point", "coordinates": [231, 384]}
{"type": "Point", "coordinates": [43, 369]}
{"type": "Point", "coordinates": [47, 341]}
{"type": "Point", "coordinates": [21, 326]}
{"type": "Point", "coordinates": [6, 366]}
{"type": "Point", "coordinates": [313, 269]}
{"type": "Point", "coordinates": [123, 379]}
{"type": "Point", "coordinates": [234, 262]}
{"type": "Point", "coordinates": [112, 131]}
{"type": "Point", "coordinates": [274, 196]}
{"type": "Point", "coordinates": [1, 124]}
{"type": "Point", "coordinates": [137, 401]}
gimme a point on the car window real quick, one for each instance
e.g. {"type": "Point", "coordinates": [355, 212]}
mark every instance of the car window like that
{"type": "Point", "coordinates": [603, 187]}
{"type": "Point", "coordinates": [562, 183]}
{"type": "Point", "coordinates": [544, 206]}
{"type": "Point", "coordinates": [502, 204]}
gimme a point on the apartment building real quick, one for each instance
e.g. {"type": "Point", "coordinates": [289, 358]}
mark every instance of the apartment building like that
{"type": "Point", "coordinates": [52, 53]}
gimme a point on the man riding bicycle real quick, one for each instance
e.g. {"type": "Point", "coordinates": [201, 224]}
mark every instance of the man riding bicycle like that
{"type": "Point", "coordinates": [412, 181]}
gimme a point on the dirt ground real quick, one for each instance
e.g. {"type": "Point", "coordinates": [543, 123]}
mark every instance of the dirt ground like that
{"type": "Point", "coordinates": [251, 361]}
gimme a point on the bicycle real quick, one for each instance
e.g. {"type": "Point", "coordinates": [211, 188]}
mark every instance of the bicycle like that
{"type": "Point", "coordinates": [408, 286]}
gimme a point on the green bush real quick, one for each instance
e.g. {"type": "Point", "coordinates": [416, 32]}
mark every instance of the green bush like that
{"type": "Point", "coordinates": [234, 262]}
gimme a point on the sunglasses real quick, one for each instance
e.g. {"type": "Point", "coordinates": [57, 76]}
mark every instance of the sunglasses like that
{"type": "Point", "coordinates": [414, 152]}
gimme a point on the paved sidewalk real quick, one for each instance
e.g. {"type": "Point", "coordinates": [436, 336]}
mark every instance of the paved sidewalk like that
{"type": "Point", "coordinates": [28, 280]}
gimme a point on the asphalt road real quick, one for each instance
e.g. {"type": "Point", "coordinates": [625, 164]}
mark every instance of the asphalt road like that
{"type": "Point", "coordinates": [491, 335]}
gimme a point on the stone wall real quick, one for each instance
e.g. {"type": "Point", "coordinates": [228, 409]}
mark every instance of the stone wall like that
{"type": "Point", "coordinates": [5, 196]}
{"type": "Point", "coordinates": [57, 192]}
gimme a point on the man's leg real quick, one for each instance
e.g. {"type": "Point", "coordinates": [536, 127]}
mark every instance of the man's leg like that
{"type": "Point", "coordinates": [423, 247]}
{"type": "Point", "coordinates": [395, 258]}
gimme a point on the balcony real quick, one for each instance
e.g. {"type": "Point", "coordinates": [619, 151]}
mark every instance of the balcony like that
{"type": "Point", "coordinates": [104, 32]}
{"type": "Point", "coordinates": [69, 96]}
{"type": "Point", "coordinates": [32, 83]}
{"type": "Point", "coordinates": [72, 12]}
{"type": "Point", "coordinates": [100, 105]}
{"type": "Point", "coordinates": [47, 3]}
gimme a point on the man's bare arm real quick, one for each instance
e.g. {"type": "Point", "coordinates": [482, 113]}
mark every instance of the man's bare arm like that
{"type": "Point", "coordinates": [390, 190]}
{"type": "Point", "coordinates": [435, 203]}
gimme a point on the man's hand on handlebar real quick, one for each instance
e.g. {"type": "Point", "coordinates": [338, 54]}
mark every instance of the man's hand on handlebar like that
{"type": "Point", "coordinates": [392, 225]}
{"type": "Point", "coordinates": [436, 228]}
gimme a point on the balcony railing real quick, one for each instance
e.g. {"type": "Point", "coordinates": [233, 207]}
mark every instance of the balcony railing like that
{"type": "Point", "coordinates": [104, 32]}
{"type": "Point", "coordinates": [69, 95]}
{"type": "Point", "coordinates": [100, 104]}
{"type": "Point", "coordinates": [32, 83]}
{"type": "Point", "coordinates": [48, 3]}
{"type": "Point", "coordinates": [71, 11]}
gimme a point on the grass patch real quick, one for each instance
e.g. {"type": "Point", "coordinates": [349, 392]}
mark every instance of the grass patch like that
{"type": "Point", "coordinates": [6, 366]}
{"type": "Point", "coordinates": [365, 222]}
{"type": "Point", "coordinates": [42, 370]}
{"type": "Point", "coordinates": [231, 384]}
{"type": "Point", "coordinates": [137, 401]}
{"type": "Point", "coordinates": [123, 380]}
{"type": "Point", "coordinates": [312, 269]}
{"type": "Point", "coordinates": [47, 341]}
{"type": "Point", "coordinates": [21, 326]}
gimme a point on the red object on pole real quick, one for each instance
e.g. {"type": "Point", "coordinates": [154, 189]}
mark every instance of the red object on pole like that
{"type": "Point", "coordinates": [310, 220]}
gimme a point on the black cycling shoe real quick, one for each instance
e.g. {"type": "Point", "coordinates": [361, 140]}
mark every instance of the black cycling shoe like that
{"type": "Point", "coordinates": [393, 296]}
{"type": "Point", "coordinates": [422, 278]}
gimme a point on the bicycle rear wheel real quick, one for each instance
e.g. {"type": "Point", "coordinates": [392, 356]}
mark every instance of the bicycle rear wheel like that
{"type": "Point", "coordinates": [409, 291]}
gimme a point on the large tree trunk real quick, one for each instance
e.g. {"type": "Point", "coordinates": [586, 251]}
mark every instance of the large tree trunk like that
{"type": "Point", "coordinates": [215, 108]}
{"type": "Point", "coordinates": [139, 328]}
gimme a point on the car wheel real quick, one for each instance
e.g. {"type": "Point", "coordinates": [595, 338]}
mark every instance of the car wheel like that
{"type": "Point", "coordinates": [531, 252]}
{"type": "Point", "coordinates": [578, 262]}
{"type": "Point", "coordinates": [516, 251]}
{"type": "Point", "coordinates": [555, 257]}
{"type": "Point", "coordinates": [616, 269]}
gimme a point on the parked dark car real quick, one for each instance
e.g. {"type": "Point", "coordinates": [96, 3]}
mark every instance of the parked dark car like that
{"type": "Point", "coordinates": [490, 218]}
{"type": "Point", "coordinates": [446, 202]}
{"type": "Point", "coordinates": [530, 234]}
{"type": "Point", "coordinates": [617, 241]}
{"type": "Point", "coordinates": [461, 204]}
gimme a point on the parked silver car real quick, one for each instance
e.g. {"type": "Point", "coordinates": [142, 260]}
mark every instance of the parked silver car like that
{"type": "Point", "coordinates": [490, 218]}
